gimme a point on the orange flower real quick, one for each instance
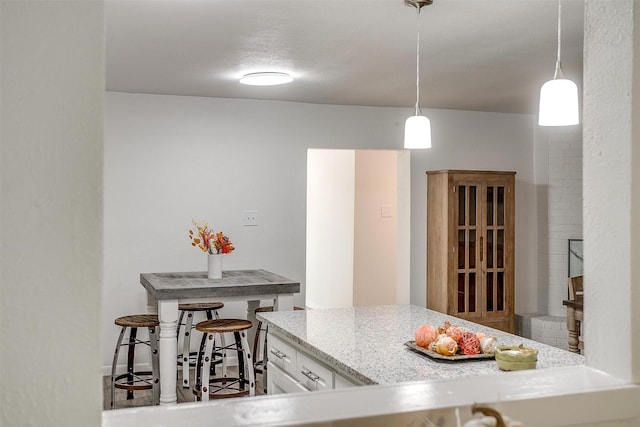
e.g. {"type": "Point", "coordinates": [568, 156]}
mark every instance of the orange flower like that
{"type": "Point", "coordinates": [208, 241]}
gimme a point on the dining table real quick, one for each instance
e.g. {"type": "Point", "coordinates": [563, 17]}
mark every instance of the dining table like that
{"type": "Point", "coordinates": [166, 290]}
{"type": "Point", "coordinates": [575, 317]}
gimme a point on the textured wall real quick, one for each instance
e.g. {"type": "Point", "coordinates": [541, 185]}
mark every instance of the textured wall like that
{"type": "Point", "coordinates": [608, 182]}
{"type": "Point", "coordinates": [51, 213]}
{"type": "Point", "coordinates": [559, 197]}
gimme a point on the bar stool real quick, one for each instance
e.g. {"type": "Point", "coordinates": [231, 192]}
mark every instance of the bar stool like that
{"type": "Point", "coordinates": [188, 359]}
{"type": "Point", "coordinates": [136, 380]}
{"type": "Point", "coordinates": [207, 387]}
{"type": "Point", "coordinates": [260, 366]}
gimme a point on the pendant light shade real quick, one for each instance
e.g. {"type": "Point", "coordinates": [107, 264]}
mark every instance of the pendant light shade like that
{"type": "Point", "coordinates": [417, 132]}
{"type": "Point", "coordinates": [559, 103]}
{"type": "Point", "coordinates": [559, 97]}
{"type": "Point", "coordinates": [417, 128]}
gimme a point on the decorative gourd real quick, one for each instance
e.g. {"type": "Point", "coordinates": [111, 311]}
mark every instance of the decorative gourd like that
{"type": "Point", "coordinates": [446, 345]}
{"type": "Point", "coordinates": [488, 345]}
{"type": "Point", "coordinates": [454, 332]}
{"type": "Point", "coordinates": [425, 335]}
{"type": "Point", "coordinates": [469, 343]}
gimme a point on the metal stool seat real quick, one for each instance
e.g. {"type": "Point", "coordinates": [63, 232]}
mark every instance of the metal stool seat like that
{"type": "Point", "coordinates": [260, 366]}
{"type": "Point", "coordinates": [136, 380]}
{"type": "Point", "coordinates": [207, 387]}
{"type": "Point", "coordinates": [187, 359]}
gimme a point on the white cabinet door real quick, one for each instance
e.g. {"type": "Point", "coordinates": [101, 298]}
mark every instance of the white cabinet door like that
{"type": "Point", "coordinates": [312, 374]}
{"type": "Point", "coordinates": [280, 382]}
{"type": "Point", "coordinates": [281, 354]}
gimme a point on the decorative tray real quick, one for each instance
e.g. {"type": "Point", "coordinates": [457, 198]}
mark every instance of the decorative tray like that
{"type": "Point", "coordinates": [456, 358]}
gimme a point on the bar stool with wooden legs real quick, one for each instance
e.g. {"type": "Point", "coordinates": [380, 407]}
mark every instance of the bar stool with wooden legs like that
{"type": "Point", "coordinates": [207, 387]}
{"type": "Point", "coordinates": [134, 380]}
{"type": "Point", "coordinates": [188, 359]}
{"type": "Point", "coordinates": [260, 365]}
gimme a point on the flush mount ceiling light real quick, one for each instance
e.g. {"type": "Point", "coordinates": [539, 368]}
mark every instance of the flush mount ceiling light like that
{"type": "Point", "coordinates": [559, 97]}
{"type": "Point", "coordinates": [417, 128]}
{"type": "Point", "coordinates": [266, 79]}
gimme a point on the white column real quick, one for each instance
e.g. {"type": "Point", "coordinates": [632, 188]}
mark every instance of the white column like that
{"type": "Point", "coordinates": [612, 328]}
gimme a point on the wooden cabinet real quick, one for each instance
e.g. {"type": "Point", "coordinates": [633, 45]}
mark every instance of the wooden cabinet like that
{"type": "Point", "coordinates": [470, 245]}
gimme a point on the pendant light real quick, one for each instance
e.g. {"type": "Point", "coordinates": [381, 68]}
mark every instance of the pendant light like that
{"type": "Point", "coordinates": [559, 97]}
{"type": "Point", "coordinates": [417, 128]}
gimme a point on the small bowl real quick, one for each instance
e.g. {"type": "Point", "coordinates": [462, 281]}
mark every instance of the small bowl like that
{"type": "Point", "coordinates": [516, 358]}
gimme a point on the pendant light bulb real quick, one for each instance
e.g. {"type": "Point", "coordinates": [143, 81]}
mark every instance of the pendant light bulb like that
{"type": "Point", "coordinates": [559, 97]}
{"type": "Point", "coordinates": [417, 128]}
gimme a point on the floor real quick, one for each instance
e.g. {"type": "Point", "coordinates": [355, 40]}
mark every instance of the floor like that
{"type": "Point", "coordinates": [144, 397]}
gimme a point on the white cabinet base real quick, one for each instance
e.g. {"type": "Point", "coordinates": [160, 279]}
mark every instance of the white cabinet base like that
{"type": "Point", "coordinates": [292, 370]}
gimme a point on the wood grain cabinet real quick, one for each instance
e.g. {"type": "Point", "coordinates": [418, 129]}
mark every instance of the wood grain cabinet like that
{"type": "Point", "coordinates": [470, 245]}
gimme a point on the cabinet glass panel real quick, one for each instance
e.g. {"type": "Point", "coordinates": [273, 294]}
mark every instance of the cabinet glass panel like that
{"type": "Point", "coordinates": [461, 249]}
{"type": "Point", "coordinates": [472, 292]}
{"type": "Point", "coordinates": [489, 287]}
{"type": "Point", "coordinates": [500, 291]}
{"type": "Point", "coordinates": [500, 205]}
{"type": "Point", "coordinates": [472, 205]}
{"type": "Point", "coordinates": [489, 249]}
{"type": "Point", "coordinates": [462, 211]}
{"type": "Point", "coordinates": [489, 205]}
{"type": "Point", "coordinates": [500, 249]}
{"type": "Point", "coordinates": [472, 249]}
{"type": "Point", "coordinates": [461, 292]}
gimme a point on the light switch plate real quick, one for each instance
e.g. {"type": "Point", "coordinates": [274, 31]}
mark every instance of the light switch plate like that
{"type": "Point", "coordinates": [386, 211]}
{"type": "Point", "coordinates": [250, 218]}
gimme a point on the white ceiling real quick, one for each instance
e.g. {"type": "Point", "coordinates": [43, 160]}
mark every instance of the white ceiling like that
{"type": "Point", "coordinates": [482, 55]}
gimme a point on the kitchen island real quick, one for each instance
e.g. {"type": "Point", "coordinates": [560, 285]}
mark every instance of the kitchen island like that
{"type": "Point", "coordinates": [366, 345]}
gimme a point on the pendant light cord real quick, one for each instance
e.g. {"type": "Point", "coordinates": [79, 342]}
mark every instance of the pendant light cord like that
{"type": "Point", "coordinates": [418, 63]}
{"type": "Point", "coordinates": [558, 73]}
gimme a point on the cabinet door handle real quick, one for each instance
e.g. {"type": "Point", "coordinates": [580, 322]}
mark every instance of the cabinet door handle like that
{"type": "Point", "coordinates": [313, 377]}
{"type": "Point", "coordinates": [280, 355]}
{"type": "Point", "coordinates": [481, 248]}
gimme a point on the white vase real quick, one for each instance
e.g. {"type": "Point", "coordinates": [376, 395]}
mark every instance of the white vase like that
{"type": "Point", "coordinates": [214, 266]}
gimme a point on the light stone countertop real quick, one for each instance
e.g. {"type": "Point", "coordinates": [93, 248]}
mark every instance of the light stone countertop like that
{"type": "Point", "coordinates": [367, 343]}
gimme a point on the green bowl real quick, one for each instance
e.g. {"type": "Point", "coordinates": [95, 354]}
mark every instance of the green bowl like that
{"type": "Point", "coordinates": [516, 358]}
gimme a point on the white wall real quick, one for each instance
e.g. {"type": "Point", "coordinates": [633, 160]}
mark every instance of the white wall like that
{"type": "Point", "coordinates": [52, 84]}
{"type": "Point", "coordinates": [611, 181]}
{"type": "Point", "coordinates": [471, 140]}
{"type": "Point", "coordinates": [558, 177]}
{"type": "Point", "coordinates": [375, 263]}
{"type": "Point", "coordinates": [330, 228]}
{"type": "Point", "coordinates": [356, 255]}
{"type": "Point", "coordinates": [170, 158]}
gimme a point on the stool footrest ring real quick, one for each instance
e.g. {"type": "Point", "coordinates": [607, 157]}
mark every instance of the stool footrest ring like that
{"type": "Point", "coordinates": [142, 380]}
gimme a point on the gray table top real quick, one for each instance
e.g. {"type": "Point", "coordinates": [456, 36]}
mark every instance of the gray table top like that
{"type": "Point", "coordinates": [234, 283]}
{"type": "Point", "coordinates": [368, 343]}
